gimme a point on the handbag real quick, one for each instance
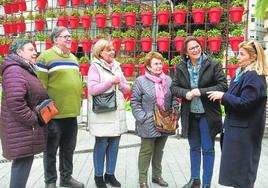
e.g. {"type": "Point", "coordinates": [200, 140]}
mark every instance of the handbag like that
{"type": "Point", "coordinates": [165, 121]}
{"type": "Point", "coordinates": [46, 111]}
{"type": "Point", "coordinates": [105, 102]}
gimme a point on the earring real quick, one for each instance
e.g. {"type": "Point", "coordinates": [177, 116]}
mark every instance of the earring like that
{"type": "Point", "coordinates": [187, 56]}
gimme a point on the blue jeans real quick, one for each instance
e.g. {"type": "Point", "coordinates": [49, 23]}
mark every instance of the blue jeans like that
{"type": "Point", "coordinates": [200, 139]}
{"type": "Point", "coordinates": [105, 147]}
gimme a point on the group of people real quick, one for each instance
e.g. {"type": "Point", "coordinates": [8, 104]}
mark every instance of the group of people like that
{"type": "Point", "coordinates": [198, 81]}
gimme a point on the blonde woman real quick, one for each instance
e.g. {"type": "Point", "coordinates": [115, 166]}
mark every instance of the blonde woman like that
{"type": "Point", "coordinates": [245, 103]}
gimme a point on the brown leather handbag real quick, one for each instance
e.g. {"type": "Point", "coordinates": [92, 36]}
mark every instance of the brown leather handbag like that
{"type": "Point", "coordinates": [165, 121]}
{"type": "Point", "coordinates": [46, 110]}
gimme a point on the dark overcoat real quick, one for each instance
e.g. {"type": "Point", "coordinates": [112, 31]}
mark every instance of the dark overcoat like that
{"type": "Point", "coordinates": [21, 135]}
{"type": "Point", "coordinates": [211, 78]}
{"type": "Point", "coordinates": [245, 106]}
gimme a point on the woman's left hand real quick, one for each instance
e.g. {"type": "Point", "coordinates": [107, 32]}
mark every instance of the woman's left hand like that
{"type": "Point", "coordinates": [215, 95]}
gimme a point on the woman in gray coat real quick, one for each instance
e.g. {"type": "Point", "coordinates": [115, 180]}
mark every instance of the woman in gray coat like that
{"type": "Point", "coordinates": [151, 89]}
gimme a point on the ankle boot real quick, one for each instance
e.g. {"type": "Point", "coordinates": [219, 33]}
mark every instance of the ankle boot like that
{"type": "Point", "coordinates": [99, 182]}
{"type": "Point", "coordinates": [193, 183]}
{"type": "Point", "coordinates": [111, 180]}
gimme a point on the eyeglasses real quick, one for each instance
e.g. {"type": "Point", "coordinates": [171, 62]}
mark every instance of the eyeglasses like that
{"type": "Point", "coordinates": [194, 47]}
{"type": "Point", "coordinates": [66, 37]}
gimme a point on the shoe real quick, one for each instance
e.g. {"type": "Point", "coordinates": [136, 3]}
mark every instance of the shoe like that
{"type": "Point", "coordinates": [160, 181]}
{"type": "Point", "coordinates": [205, 186]}
{"type": "Point", "coordinates": [111, 180]}
{"type": "Point", "coordinates": [71, 183]}
{"type": "Point", "coordinates": [193, 183]}
{"type": "Point", "coordinates": [99, 182]}
{"type": "Point", "coordinates": [144, 185]}
{"type": "Point", "coordinates": [51, 185]}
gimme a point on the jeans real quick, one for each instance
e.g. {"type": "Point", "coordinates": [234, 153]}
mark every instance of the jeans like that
{"type": "Point", "coordinates": [151, 149]}
{"type": "Point", "coordinates": [62, 134]}
{"type": "Point", "coordinates": [200, 139]}
{"type": "Point", "coordinates": [20, 171]}
{"type": "Point", "coordinates": [105, 147]}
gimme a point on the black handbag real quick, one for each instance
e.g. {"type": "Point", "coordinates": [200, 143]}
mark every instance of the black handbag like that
{"type": "Point", "coordinates": [105, 102]}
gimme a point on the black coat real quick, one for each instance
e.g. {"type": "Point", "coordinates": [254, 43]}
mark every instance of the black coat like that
{"type": "Point", "coordinates": [245, 106]}
{"type": "Point", "coordinates": [211, 78]}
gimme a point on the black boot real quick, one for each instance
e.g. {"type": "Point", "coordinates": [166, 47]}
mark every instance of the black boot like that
{"type": "Point", "coordinates": [205, 186]}
{"type": "Point", "coordinates": [99, 182]}
{"type": "Point", "coordinates": [193, 183]}
{"type": "Point", "coordinates": [111, 180]}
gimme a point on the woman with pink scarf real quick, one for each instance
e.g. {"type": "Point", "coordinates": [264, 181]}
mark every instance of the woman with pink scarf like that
{"type": "Point", "coordinates": [150, 89]}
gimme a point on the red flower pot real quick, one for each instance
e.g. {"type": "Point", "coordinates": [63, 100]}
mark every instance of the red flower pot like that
{"type": "Point", "coordinates": [163, 17]}
{"type": "Point", "coordinates": [7, 8]}
{"type": "Point", "coordinates": [76, 2]}
{"type": "Point", "coordinates": [86, 21]}
{"type": "Point", "coordinates": [39, 24]}
{"type": "Point", "coordinates": [127, 96]}
{"type": "Point", "coordinates": [128, 69]}
{"type": "Point", "coordinates": [147, 17]}
{"type": "Point", "coordinates": [22, 5]}
{"type": "Point", "coordinates": [63, 21]}
{"type": "Point", "coordinates": [41, 4]}
{"type": "Point", "coordinates": [1, 49]}
{"type": "Point", "coordinates": [179, 43]}
{"type": "Point", "coordinates": [6, 49]}
{"type": "Point", "coordinates": [117, 44]}
{"type": "Point", "coordinates": [116, 1]}
{"type": "Point", "coordinates": [236, 14]}
{"type": "Point", "coordinates": [214, 43]}
{"type": "Point", "coordinates": [48, 44]}
{"type": "Point", "coordinates": [129, 44]}
{"type": "Point", "coordinates": [146, 44]}
{"type": "Point", "coordinates": [116, 19]}
{"type": "Point", "coordinates": [21, 26]}
{"type": "Point", "coordinates": [74, 45]}
{"type": "Point", "coordinates": [100, 20]}
{"type": "Point", "coordinates": [13, 28]}
{"type": "Point", "coordinates": [179, 16]}
{"type": "Point", "coordinates": [235, 41]}
{"type": "Point", "coordinates": [232, 68]}
{"type": "Point", "coordinates": [84, 68]}
{"type": "Point", "coordinates": [88, 2]}
{"type": "Point", "coordinates": [163, 44]}
{"type": "Point", "coordinates": [74, 22]}
{"type": "Point", "coordinates": [102, 1]}
{"type": "Point", "coordinates": [86, 45]}
{"type": "Point", "coordinates": [7, 28]}
{"type": "Point", "coordinates": [130, 19]}
{"type": "Point", "coordinates": [165, 68]}
{"type": "Point", "coordinates": [198, 15]}
{"type": "Point", "coordinates": [141, 69]}
{"type": "Point", "coordinates": [62, 3]}
{"type": "Point", "coordinates": [14, 7]}
{"type": "Point", "coordinates": [202, 40]}
{"type": "Point", "coordinates": [214, 14]}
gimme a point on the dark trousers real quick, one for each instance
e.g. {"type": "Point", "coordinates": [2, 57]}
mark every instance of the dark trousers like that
{"type": "Point", "coordinates": [62, 134]}
{"type": "Point", "coordinates": [20, 171]}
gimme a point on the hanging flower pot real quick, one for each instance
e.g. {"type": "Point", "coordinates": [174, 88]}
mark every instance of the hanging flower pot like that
{"type": "Point", "coordinates": [86, 21]}
{"type": "Point", "coordinates": [128, 69]}
{"type": "Point", "coordinates": [214, 14]}
{"type": "Point", "coordinates": [6, 48]}
{"type": "Point", "coordinates": [116, 19]}
{"type": "Point", "coordinates": [41, 4]}
{"type": "Point", "coordinates": [86, 45]}
{"type": "Point", "coordinates": [100, 20]}
{"type": "Point", "coordinates": [63, 21]}
{"type": "Point", "coordinates": [21, 26]}
{"type": "Point", "coordinates": [129, 44]}
{"type": "Point", "coordinates": [199, 15]}
{"type": "Point", "coordinates": [48, 44]}
{"type": "Point", "coordinates": [146, 44]}
{"type": "Point", "coordinates": [232, 69]}
{"type": "Point", "coordinates": [76, 2]}
{"type": "Point", "coordinates": [117, 44]}
{"type": "Point", "coordinates": [141, 69]}
{"type": "Point", "coordinates": [163, 17]}
{"type": "Point", "coordinates": [88, 2]}
{"type": "Point", "coordinates": [235, 41]}
{"type": "Point", "coordinates": [14, 7]}
{"type": "Point", "coordinates": [214, 43]}
{"type": "Point", "coordinates": [22, 5]}
{"type": "Point", "coordinates": [147, 17]}
{"type": "Point", "coordinates": [84, 67]}
{"type": "Point", "coordinates": [74, 22]}
{"type": "Point", "coordinates": [39, 24]}
{"type": "Point", "coordinates": [179, 16]}
{"type": "Point", "coordinates": [7, 28]}
{"type": "Point", "coordinates": [236, 14]}
{"type": "Point", "coordinates": [130, 18]}
{"type": "Point", "coordinates": [62, 3]}
{"type": "Point", "coordinates": [102, 1]}
{"type": "Point", "coordinates": [13, 27]}
{"type": "Point", "coordinates": [163, 43]}
{"type": "Point", "coordinates": [179, 41]}
{"type": "Point", "coordinates": [74, 45]}
{"type": "Point", "coordinates": [7, 8]}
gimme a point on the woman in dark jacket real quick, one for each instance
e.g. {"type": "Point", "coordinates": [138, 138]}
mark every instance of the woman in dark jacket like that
{"type": "Point", "coordinates": [245, 107]}
{"type": "Point", "coordinates": [200, 118]}
{"type": "Point", "coordinates": [21, 135]}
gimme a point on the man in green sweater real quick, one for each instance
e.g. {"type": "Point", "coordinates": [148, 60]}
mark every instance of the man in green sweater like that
{"type": "Point", "coordinates": [58, 71]}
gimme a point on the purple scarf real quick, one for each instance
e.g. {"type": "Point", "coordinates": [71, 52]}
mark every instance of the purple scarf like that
{"type": "Point", "coordinates": [160, 88]}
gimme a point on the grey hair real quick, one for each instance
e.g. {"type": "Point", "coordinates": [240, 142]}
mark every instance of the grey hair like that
{"type": "Point", "coordinates": [18, 44]}
{"type": "Point", "coordinates": [56, 32]}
